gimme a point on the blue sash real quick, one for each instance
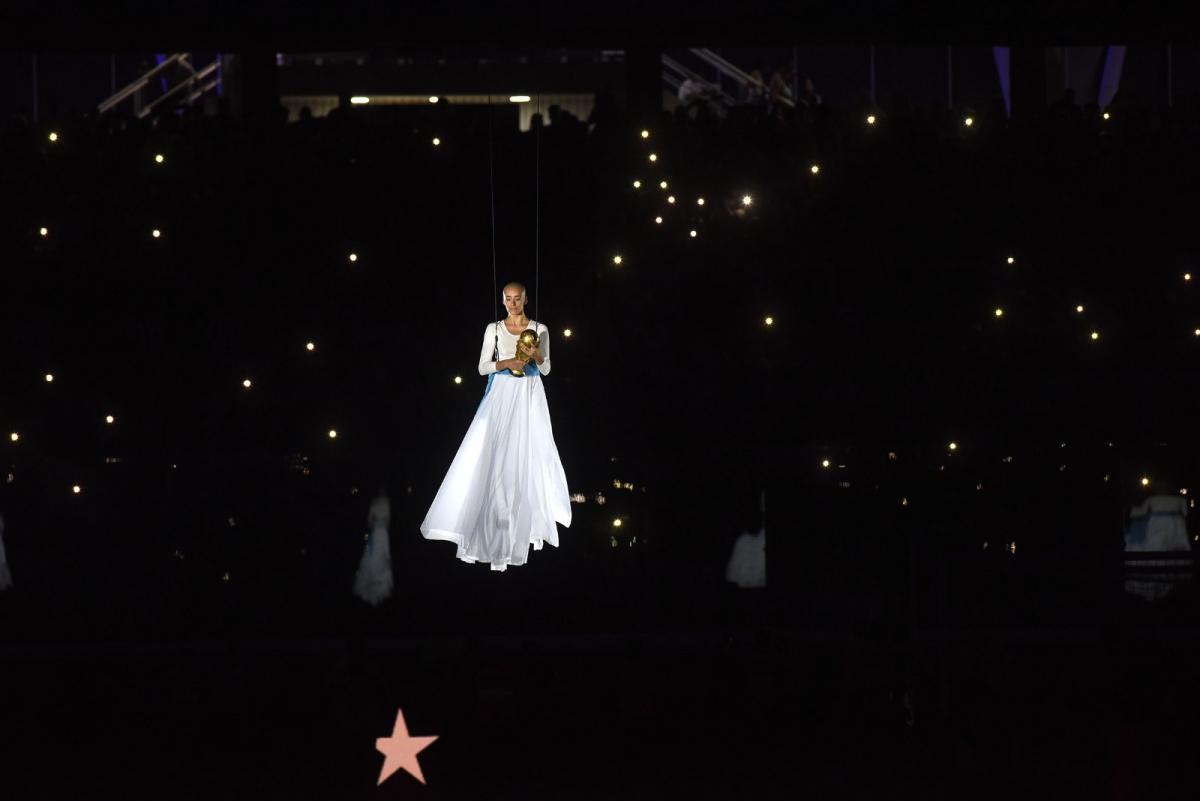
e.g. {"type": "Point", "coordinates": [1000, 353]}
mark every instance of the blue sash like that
{"type": "Point", "coordinates": [531, 370]}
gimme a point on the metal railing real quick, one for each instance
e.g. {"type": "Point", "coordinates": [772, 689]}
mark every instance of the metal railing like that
{"type": "Point", "coordinates": [195, 84]}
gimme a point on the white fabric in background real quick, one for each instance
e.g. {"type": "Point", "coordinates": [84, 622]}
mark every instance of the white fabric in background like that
{"type": "Point", "coordinates": [373, 581]}
{"type": "Point", "coordinates": [506, 487]}
{"type": "Point", "coordinates": [748, 561]}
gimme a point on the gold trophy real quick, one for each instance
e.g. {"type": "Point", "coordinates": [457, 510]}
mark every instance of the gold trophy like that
{"type": "Point", "coordinates": [527, 339]}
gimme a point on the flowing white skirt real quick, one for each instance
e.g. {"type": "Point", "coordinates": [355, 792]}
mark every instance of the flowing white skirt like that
{"type": "Point", "coordinates": [506, 488]}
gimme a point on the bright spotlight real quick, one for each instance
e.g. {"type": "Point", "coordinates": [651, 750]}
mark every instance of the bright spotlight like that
{"type": "Point", "coordinates": [645, 134]}
{"type": "Point", "coordinates": [747, 200]}
{"type": "Point", "coordinates": [436, 141]}
{"type": "Point", "coordinates": [870, 119]}
{"type": "Point", "coordinates": [156, 233]}
{"type": "Point", "coordinates": [617, 260]}
{"type": "Point", "coordinates": [434, 99]}
{"type": "Point", "coordinates": [353, 257]}
{"type": "Point", "coordinates": [519, 99]}
{"type": "Point", "coordinates": [53, 136]}
{"type": "Point", "coordinates": [969, 121]}
{"type": "Point", "coordinates": [692, 233]}
{"type": "Point", "coordinates": [359, 100]}
{"type": "Point", "coordinates": [246, 383]}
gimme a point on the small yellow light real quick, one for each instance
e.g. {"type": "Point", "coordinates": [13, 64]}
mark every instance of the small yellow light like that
{"type": "Point", "coordinates": [662, 184]}
{"type": "Point", "coordinates": [747, 200]}
{"type": "Point", "coordinates": [159, 158]}
{"type": "Point", "coordinates": [814, 169]}
{"type": "Point", "coordinates": [1106, 115]}
{"type": "Point", "coordinates": [246, 383]}
{"type": "Point", "coordinates": [14, 436]}
{"type": "Point", "coordinates": [653, 157]}
{"type": "Point", "coordinates": [332, 434]}
{"type": "Point", "coordinates": [617, 259]}
{"type": "Point", "coordinates": [699, 201]}
{"type": "Point", "coordinates": [637, 184]}
{"type": "Point", "coordinates": [969, 121]}
{"type": "Point", "coordinates": [49, 377]}
{"type": "Point", "coordinates": [824, 463]}
{"type": "Point", "coordinates": [1197, 332]}
{"type": "Point", "coordinates": [458, 379]}
{"type": "Point", "coordinates": [1011, 259]}
{"type": "Point", "coordinates": [353, 257]}
{"type": "Point", "coordinates": [1145, 481]}
{"type": "Point", "coordinates": [645, 134]}
{"type": "Point", "coordinates": [359, 100]}
{"type": "Point", "coordinates": [434, 99]}
{"type": "Point", "coordinates": [1183, 491]}
{"type": "Point", "coordinates": [904, 501]}
{"type": "Point", "coordinates": [44, 231]}
{"type": "Point", "coordinates": [999, 312]}
{"type": "Point", "coordinates": [692, 233]}
{"type": "Point", "coordinates": [110, 419]}
{"type": "Point", "coordinates": [953, 446]}
{"type": "Point", "coordinates": [566, 332]}
{"type": "Point", "coordinates": [1187, 276]}
{"type": "Point", "coordinates": [769, 321]}
{"type": "Point", "coordinates": [1095, 335]}
{"type": "Point", "coordinates": [310, 346]}
{"type": "Point", "coordinates": [670, 198]}
{"type": "Point", "coordinates": [658, 220]}
{"type": "Point", "coordinates": [76, 489]}
{"type": "Point", "coordinates": [53, 136]}
{"type": "Point", "coordinates": [1079, 308]}
{"type": "Point", "coordinates": [156, 233]}
{"type": "Point", "coordinates": [437, 140]}
{"type": "Point", "coordinates": [870, 119]}
{"type": "Point", "coordinates": [616, 522]}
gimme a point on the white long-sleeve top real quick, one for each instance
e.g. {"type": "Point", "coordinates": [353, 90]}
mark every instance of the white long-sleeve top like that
{"type": "Point", "coordinates": [497, 336]}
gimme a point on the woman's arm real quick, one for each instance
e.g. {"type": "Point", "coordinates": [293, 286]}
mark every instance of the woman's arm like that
{"type": "Point", "coordinates": [486, 365]}
{"type": "Point", "coordinates": [544, 348]}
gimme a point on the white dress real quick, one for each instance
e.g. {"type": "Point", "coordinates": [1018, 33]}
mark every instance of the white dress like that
{"type": "Point", "coordinates": [373, 581]}
{"type": "Point", "coordinates": [5, 576]}
{"type": "Point", "coordinates": [506, 489]}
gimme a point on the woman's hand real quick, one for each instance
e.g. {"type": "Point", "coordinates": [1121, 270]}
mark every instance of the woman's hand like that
{"type": "Point", "coordinates": [533, 352]}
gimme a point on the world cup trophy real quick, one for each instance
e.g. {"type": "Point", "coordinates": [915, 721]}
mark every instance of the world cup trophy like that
{"type": "Point", "coordinates": [527, 339]}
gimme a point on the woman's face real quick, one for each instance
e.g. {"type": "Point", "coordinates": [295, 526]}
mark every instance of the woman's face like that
{"type": "Point", "coordinates": [514, 301]}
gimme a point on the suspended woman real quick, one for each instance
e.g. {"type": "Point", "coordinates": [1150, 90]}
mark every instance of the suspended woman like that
{"type": "Point", "coordinates": [506, 488]}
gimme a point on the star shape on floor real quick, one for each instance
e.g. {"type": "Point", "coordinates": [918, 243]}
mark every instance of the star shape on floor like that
{"type": "Point", "coordinates": [400, 750]}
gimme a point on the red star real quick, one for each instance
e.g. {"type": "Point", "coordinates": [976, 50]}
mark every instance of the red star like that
{"type": "Point", "coordinates": [400, 750]}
